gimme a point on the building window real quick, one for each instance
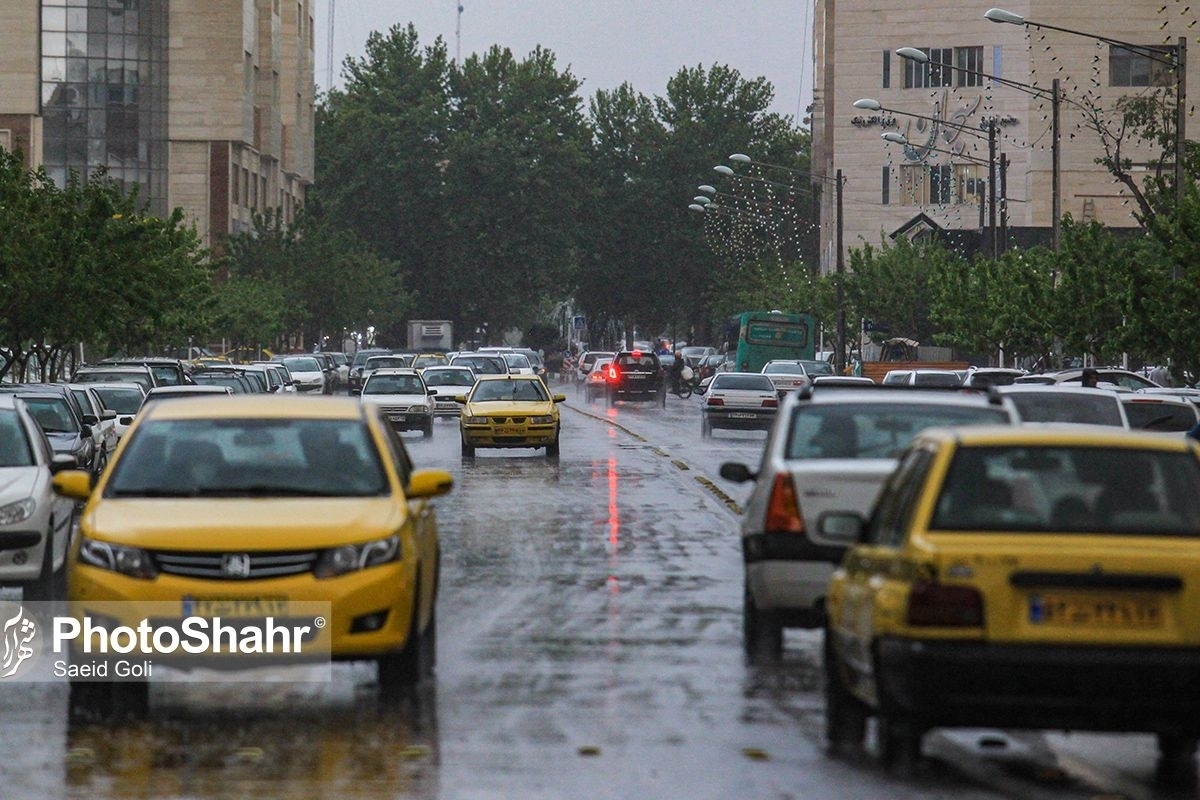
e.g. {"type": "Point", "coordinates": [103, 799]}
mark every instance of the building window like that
{"type": "Point", "coordinates": [887, 69]}
{"type": "Point", "coordinates": [969, 61]}
{"type": "Point", "coordinates": [938, 184]}
{"type": "Point", "coordinates": [885, 190]}
{"type": "Point", "coordinates": [1149, 66]}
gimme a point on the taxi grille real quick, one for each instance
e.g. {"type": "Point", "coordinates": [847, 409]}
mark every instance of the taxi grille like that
{"type": "Point", "coordinates": [509, 420]}
{"type": "Point", "coordinates": [235, 566]}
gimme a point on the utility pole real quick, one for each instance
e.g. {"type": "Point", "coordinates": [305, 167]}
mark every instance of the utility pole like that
{"type": "Point", "coordinates": [458, 36]}
{"type": "Point", "coordinates": [839, 360]}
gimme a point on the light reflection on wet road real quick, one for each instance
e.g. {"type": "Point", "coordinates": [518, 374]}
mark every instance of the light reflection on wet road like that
{"type": "Point", "coordinates": [588, 647]}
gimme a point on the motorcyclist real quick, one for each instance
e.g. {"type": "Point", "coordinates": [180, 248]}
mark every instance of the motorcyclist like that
{"type": "Point", "coordinates": [677, 371]}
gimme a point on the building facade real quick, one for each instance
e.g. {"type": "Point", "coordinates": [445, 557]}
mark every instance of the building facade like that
{"type": "Point", "coordinates": [947, 105]}
{"type": "Point", "coordinates": [205, 105]}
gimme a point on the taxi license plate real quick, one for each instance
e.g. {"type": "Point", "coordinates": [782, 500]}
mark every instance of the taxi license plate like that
{"type": "Point", "coordinates": [1095, 611]}
{"type": "Point", "coordinates": [397, 417]}
{"type": "Point", "coordinates": [235, 606]}
{"type": "Point", "coordinates": [508, 430]}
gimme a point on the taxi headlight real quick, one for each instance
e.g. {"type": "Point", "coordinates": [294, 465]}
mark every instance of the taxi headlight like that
{"type": "Point", "coordinates": [475, 420]}
{"type": "Point", "coordinates": [132, 561]}
{"type": "Point", "coordinates": [18, 511]}
{"type": "Point", "coordinates": [354, 557]}
{"type": "Point", "coordinates": [544, 419]}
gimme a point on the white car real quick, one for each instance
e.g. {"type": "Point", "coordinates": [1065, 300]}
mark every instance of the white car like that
{"type": "Point", "coordinates": [446, 384]}
{"type": "Point", "coordinates": [125, 399]}
{"type": "Point", "coordinates": [1081, 405]}
{"type": "Point", "coordinates": [103, 422]}
{"type": "Point", "coordinates": [403, 397]}
{"type": "Point", "coordinates": [518, 364]}
{"type": "Point", "coordinates": [306, 373]}
{"type": "Point", "coordinates": [1161, 413]}
{"type": "Point", "coordinates": [739, 401]}
{"type": "Point", "coordinates": [789, 374]}
{"type": "Point", "coordinates": [35, 521]}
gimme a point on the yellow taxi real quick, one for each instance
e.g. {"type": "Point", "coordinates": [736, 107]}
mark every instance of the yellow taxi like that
{"type": "Point", "coordinates": [1036, 578]}
{"type": "Point", "coordinates": [259, 503]}
{"type": "Point", "coordinates": [510, 411]}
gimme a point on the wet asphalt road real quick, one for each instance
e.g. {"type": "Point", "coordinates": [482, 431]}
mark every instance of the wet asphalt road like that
{"type": "Point", "coordinates": [588, 647]}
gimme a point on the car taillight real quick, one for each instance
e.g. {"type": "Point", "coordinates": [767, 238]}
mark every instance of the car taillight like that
{"type": "Point", "coordinates": [944, 606]}
{"type": "Point", "coordinates": [612, 373]}
{"type": "Point", "coordinates": [771, 403]}
{"type": "Point", "coordinates": [716, 401]}
{"type": "Point", "coordinates": [783, 510]}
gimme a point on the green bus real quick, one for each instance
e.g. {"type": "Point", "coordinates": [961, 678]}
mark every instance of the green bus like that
{"type": "Point", "coordinates": [766, 335]}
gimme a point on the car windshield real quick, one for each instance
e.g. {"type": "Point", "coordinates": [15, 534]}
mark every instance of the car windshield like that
{"type": "Point", "coordinates": [52, 413]}
{"type": "Point", "coordinates": [517, 360]}
{"type": "Point", "coordinates": [249, 458]}
{"type": "Point", "coordinates": [945, 379]}
{"type": "Point", "coordinates": [1056, 406]}
{"type": "Point", "coordinates": [875, 430]}
{"type": "Point", "coordinates": [302, 364]}
{"type": "Point", "coordinates": [394, 384]}
{"type": "Point", "coordinates": [1094, 490]}
{"type": "Point", "coordinates": [730, 380]}
{"type": "Point", "coordinates": [483, 365]}
{"type": "Point", "coordinates": [122, 401]}
{"type": "Point", "coordinates": [14, 444]}
{"type": "Point", "coordinates": [388, 362]}
{"type": "Point", "coordinates": [448, 377]}
{"type": "Point", "coordinates": [487, 391]}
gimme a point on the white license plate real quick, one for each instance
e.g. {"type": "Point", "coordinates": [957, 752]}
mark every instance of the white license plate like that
{"type": "Point", "coordinates": [397, 417]}
{"type": "Point", "coordinates": [742, 415]}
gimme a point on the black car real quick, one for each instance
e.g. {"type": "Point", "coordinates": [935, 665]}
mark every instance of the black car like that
{"type": "Point", "coordinates": [636, 375]}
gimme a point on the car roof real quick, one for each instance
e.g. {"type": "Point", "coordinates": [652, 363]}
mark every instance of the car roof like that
{"type": "Point", "coordinates": [159, 391]}
{"type": "Point", "coordinates": [266, 406]}
{"type": "Point", "coordinates": [1055, 434]}
{"type": "Point", "coordinates": [127, 386]}
{"type": "Point", "coordinates": [394, 371]}
{"type": "Point", "coordinates": [1056, 388]}
{"type": "Point", "coordinates": [510, 376]}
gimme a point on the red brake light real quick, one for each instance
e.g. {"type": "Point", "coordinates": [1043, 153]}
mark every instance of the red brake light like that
{"type": "Point", "coordinates": [716, 401]}
{"type": "Point", "coordinates": [771, 403]}
{"type": "Point", "coordinates": [636, 354]}
{"type": "Point", "coordinates": [783, 509]}
{"type": "Point", "coordinates": [612, 372]}
{"type": "Point", "coordinates": [942, 605]}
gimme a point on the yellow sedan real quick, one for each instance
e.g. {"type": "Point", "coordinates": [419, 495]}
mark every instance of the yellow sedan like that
{"type": "Point", "coordinates": [1041, 578]}
{"type": "Point", "coordinates": [257, 507]}
{"type": "Point", "coordinates": [510, 411]}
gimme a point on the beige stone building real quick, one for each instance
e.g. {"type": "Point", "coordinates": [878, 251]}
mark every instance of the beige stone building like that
{"type": "Point", "coordinates": [938, 175]}
{"type": "Point", "coordinates": [206, 105]}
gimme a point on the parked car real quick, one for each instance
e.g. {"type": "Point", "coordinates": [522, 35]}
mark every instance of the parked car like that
{"type": "Point", "coordinates": [739, 401]}
{"type": "Point", "coordinates": [251, 500]}
{"type": "Point", "coordinates": [1038, 403]}
{"type": "Point", "coordinates": [510, 411]}
{"type": "Point", "coordinates": [985, 377]}
{"type": "Point", "coordinates": [166, 371]}
{"type": "Point", "coordinates": [636, 375]}
{"type": "Point", "coordinates": [403, 398]}
{"type": "Point", "coordinates": [125, 399]}
{"type": "Point", "coordinates": [102, 421]}
{"type": "Point", "coordinates": [1161, 413]}
{"type": "Point", "coordinates": [587, 361]}
{"type": "Point", "coordinates": [62, 424]}
{"type": "Point", "coordinates": [219, 376]}
{"type": "Point", "coordinates": [1020, 577]}
{"type": "Point", "coordinates": [35, 523]}
{"type": "Point", "coordinates": [790, 374]}
{"type": "Point", "coordinates": [306, 371]}
{"type": "Point", "coordinates": [1107, 375]}
{"type": "Point", "coordinates": [160, 393]}
{"type": "Point", "coordinates": [354, 379]}
{"type": "Point", "coordinates": [116, 373]}
{"type": "Point", "coordinates": [830, 448]}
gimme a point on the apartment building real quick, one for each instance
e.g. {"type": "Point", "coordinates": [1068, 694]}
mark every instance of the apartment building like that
{"type": "Point", "coordinates": [205, 105]}
{"type": "Point", "coordinates": [974, 76]}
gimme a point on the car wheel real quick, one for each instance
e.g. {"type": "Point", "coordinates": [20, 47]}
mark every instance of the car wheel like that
{"type": "Point", "coordinates": [762, 632]}
{"type": "Point", "coordinates": [845, 714]}
{"type": "Point", "coordinates": [552, 448]}
{"type": "Point", "coordinates": [101, 461]}
{"type": "Point", "coordinates": [1176, 760]}
{"type": "Point", "coordinates": [50, 584]}
{"type": "Point", "coordinates": [705, 429]}
{"type": "Point", "coordinates": [468, 451]}
{"type": "Point", "coordinates": [404, 669]}
{"type": "Point", "coordinates": [899, 741]}
{"type": "Point", "coordinates": [95, 701]}
{"type": "Point", "coordinates": [427, 431]}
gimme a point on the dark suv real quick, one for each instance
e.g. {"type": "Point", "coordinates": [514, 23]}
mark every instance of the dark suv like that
{"type": "Point", "coordinates": [636, 375]}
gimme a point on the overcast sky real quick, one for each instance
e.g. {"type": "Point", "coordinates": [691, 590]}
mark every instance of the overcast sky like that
{"type": "Point", "coordinates": [604, 42]}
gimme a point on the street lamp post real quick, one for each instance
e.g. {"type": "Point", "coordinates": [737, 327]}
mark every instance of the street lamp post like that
{"type": "Point", "coordinates": [1178, 64]}
{"type": "Point", "coordinates": [1055, 94]}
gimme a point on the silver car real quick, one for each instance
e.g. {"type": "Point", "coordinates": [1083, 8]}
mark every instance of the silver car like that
{"type": "Point", "coordinates": [831, 448]}
{"type": "Point", "coordinates": [739, 401]}
{"type": "Point", "coordinates": [35, 522]}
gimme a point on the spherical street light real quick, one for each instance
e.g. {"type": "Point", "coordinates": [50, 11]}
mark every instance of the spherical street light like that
{"type": "Point", "coordinates": [895, 138]}
{"type": "Point", "coordinates": [697, 207]}
{"type": "Point", "coordinates": [913, 54]}
{"type": "Point", "coordinates": [704, 187]}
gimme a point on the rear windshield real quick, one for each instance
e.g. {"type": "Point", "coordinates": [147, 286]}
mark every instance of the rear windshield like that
{"type": "Point", "coordinates": [1151, 416]}
{"type": "Point", "coordinates": [759, 383]}
{"type": "Point", "coordinates": [1071, 489]}
{"type": "Point", "coordinates": [1088, 409]}
{"type": "Point", "coordinates": [875, 430]}
{"type": "Point", "coordinates": [122, 401]}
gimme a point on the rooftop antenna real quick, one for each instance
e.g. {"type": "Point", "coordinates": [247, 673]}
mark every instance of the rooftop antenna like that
{"type": "Point", "coordinates": [458, 36]}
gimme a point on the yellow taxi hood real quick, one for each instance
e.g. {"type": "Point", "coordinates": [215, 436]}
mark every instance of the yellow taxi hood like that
{"type": "Point", "coordinates": [241, 523]}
